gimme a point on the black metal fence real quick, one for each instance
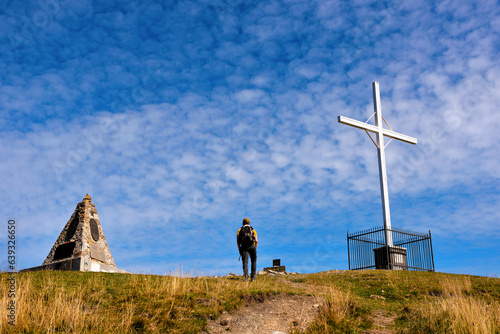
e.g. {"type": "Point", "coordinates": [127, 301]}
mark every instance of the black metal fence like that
{"type": "Point", "coordinates": [410, 251]}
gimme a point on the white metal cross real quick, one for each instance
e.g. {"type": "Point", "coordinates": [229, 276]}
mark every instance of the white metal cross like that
{"type": "Point", "coordinates": [380, 131]}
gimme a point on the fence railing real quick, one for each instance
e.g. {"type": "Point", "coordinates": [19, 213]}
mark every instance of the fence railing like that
{"type": "Point", "coordinates": [410, 251]}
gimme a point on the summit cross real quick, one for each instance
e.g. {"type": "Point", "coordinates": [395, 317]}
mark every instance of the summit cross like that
{"type": "Point", "coordinates": [380, 131]}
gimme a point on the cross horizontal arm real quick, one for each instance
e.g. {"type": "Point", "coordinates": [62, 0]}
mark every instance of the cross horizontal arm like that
{"type": "Point", "coordinates": [375, 129]}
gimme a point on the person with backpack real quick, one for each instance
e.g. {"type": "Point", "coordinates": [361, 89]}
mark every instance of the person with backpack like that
{"type": "Point", "coordinates": [247, 241]}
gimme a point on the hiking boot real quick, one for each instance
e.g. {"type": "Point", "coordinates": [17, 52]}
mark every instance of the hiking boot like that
{"type": "Point", "coordinates": [252, 279]}
{"type": "Point", "coordinates": [245, 277]}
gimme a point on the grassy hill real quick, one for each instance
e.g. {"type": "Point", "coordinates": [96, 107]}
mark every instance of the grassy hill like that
{"type": "Point", "coordinates": [419, 302]}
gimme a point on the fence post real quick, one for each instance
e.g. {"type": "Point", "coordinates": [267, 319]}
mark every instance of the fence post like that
{"type": "Point", "coordinates": [348, 252]}
{"type": "Point", "coordinates": [432, 253]}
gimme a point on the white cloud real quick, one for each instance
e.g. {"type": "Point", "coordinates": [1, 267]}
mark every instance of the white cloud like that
{"type": "Point", "coordinates": [252, 96]}
{"type": "Point", "coordinates": [213, 113]}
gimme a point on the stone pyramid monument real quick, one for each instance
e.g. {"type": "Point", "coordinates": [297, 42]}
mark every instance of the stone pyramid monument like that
{"type": "Point", "coordinates": [81, 246]}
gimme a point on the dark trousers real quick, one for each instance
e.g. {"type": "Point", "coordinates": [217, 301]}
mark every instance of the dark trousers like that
{"type": "Point", "coordinates": [252, 251]}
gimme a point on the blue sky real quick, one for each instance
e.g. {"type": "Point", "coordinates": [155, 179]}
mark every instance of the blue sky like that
{"type": "Point", "coordinates": [182, 118]}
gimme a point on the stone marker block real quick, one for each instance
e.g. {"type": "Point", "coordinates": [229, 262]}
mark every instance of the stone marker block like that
{"type": "Point", "coordinates": [279, 269]}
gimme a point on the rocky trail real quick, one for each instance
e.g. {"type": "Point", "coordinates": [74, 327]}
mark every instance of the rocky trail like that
{"type": "Point", "coordinates": [381, 322]}
{"type": "Point", "coordinates": [268, 314]}
{"type": "Point", "coordinates": [281, 313]}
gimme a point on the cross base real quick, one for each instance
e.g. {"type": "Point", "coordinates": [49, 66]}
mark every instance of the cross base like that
{"type": "Point", "coordinates": [411, 251]}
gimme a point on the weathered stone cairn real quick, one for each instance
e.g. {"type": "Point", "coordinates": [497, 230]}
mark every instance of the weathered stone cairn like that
{"type": "Point", "coordinates": [81, 246]}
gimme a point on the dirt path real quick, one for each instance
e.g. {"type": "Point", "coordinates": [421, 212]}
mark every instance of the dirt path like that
{"type": "Point", "coordinates": [380, 323]}
{"type": "Point", "coordinates": [276, 313]}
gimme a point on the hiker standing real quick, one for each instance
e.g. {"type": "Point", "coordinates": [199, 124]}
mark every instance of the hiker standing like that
{"type": "Point", "coordinates": [247, 241]}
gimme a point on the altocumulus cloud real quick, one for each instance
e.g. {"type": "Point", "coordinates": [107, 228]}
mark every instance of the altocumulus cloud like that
{"type": "Point", "coordinates": [182, 117]}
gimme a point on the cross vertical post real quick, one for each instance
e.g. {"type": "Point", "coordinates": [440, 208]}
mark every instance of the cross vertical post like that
{"type": "Point", "coordinates": [380, 132]}
{"type": "Point", "coordinates": [384, 190]}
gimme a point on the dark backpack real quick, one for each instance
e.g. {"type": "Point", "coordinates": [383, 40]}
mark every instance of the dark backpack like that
{"type": "Point", "coordinates": [247, 238]}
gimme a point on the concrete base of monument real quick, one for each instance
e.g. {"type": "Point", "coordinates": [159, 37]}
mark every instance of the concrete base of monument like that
{"type": "Point", "coordinates": [77, 264]}
{"type": "Point", "coordinates": [395, 255]}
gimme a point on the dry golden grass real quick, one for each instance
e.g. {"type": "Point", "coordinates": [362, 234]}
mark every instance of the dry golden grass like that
{"type": "Point", "coordinates": [55, 302]}
{"type": "Point", "coordinates": [340, 313]}
{"type": "Point", "coordinates": [458, 311]}
{"type": "Point", "coordinates": [76, 302]}
{"type": "Point", "coordinates": [464, 314]}
{"type": "Point", "coordinates": [55, 309]}
{"type": "Point", "coordinates": [456, 286]}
